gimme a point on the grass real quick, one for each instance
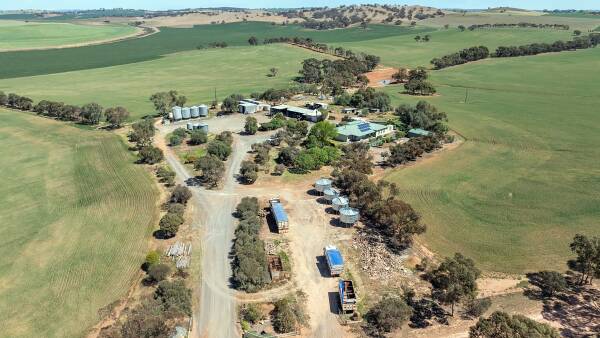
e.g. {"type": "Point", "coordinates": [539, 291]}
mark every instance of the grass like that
{"type": "Point", "coordinates": [75, 216]}
{"type": "Point", "coordinates": [526, 180]}
{"type": "Point", "coordinates": [173, 40]}
{"type": "Point", "coordinates": [195, 74]}
{"type": "Point", "coordinates": [23, 35]}
{"type": "Point", "coordinates": [404, 51]}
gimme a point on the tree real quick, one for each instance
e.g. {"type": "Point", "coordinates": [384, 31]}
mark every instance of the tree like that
{"type": "Point", "coordinates": [501, 324]}
{"type": "Point", "coordinates": [142, 133]}
{"type": "Point", "coordinates": [219, 149]}
{"type": "Point", "coordinates": [181, 194]}
{"type": "Point", "coordinates": [230, 104]}
{"type": "Point", "coordinates": [253, 41]}
{"type": "Point", "coordinates": [175, 297]}
{"type": "Point", "coordinates": [550, 282]}
{"type": "Point", "coordinates": [287, 156]}
{"type": "Point", "coordinates": [388, 315]}
{"type": "Point", "coordinates": [427, 37]}
{"type": "Point", "coordinates": [252, 313]}
{"type": "Point", "coordinates": [3, 99]}
{"type": "Point", "coordinates": [273, 71]}
{"type": "Point", "coordinates": [321, 134]}
{"type": "Point", "coordinates": [461, 28]}
{"type": "Point", "coordinates": [423, 115]}
{"type": "Point", "coordinates": [417, 38]}
{"type": "Point", "coordinates": [577, 32]}
{"type": "Point", "coordinates": [477, 307]}
{"type": "Point", "coordinates": [164, 101]}
{"type": "Point", "coordinates": [169, 224]}
{"type": "Point", "coordinates": [311, 71]}
{"type": "Point", "coordinates": [152, 258]}
{"type": "Point", "coordinates": [198, 137]}
{"type": "Point", "coordinates": [212, 169]}
{"type": "Point", "coordinates": [91, 113]}
{"type": "Point", "coordinates": [251, 126]}
{"type": "Point", "coordinates": [249, 172]}
{"type": "Point", "coordinates": [176, 208]}
{"type": "Point", "coordinates": [175, 140]}
{"type": "Point", "coordinates": [159, 272]}
{"type": "Point", "coordinates": [116, 116]}
{"type": "Point", "coordinates": [588, 257]}
{"type": "Point", "coordinates": [145, 321]}
{"type": "Point", "coordinates": [419, 87]}
{"type": "Point", "coordinates": [454, 280]}
{"type": "Point", "coordinates": [150, 155]}
{"type": "Point", "coordinates": [356, 157]}
{"type": "Point", "coordinates": [401, 75]}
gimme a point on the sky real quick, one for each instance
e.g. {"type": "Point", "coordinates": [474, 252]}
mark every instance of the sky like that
{"type": "Point", "coordinates": [176, 4]}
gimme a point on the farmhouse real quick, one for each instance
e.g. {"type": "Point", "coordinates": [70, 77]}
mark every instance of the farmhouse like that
{"type": "Point", "coordinates": [361, 130]}
{"type": "Point", "coordinates": [299, 113]}
{"type": "Point", "coordinates": [418, 132]}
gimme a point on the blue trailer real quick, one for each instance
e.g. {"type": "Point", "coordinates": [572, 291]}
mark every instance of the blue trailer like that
{"type": "Point", "coordinates": [281, 218]}
{"type": "Point", "coordinates": [335, 262]}
{"type": "Point", "coordinates": [347, 296]}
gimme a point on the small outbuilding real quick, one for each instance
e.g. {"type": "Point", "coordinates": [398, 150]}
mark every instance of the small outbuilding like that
{"type": "Point", "coordinates": [418, 132]}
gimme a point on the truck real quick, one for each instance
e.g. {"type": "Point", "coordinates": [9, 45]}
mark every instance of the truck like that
{"type": "Point", "coordinates": [281, 218]}
{"type": "Point", "coordinates": [347, 296]}
{"type": "Point", "coordinates": [335, 262]}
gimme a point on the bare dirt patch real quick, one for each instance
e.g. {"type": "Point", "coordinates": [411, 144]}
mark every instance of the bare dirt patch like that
{"type": "Point", "coordinates": [208, 17]}
{"type": "Point", "coordinates": [380, 76]}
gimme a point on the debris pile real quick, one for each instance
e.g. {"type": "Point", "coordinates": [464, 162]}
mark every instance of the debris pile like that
{"type": "Point", "coordinates": [180, 252]}
{"type": "Point", "coordinates": [377, 260]}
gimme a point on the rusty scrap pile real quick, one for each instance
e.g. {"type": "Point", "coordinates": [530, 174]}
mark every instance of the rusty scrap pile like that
{"type": "Point", "coordinates": [376, 259]}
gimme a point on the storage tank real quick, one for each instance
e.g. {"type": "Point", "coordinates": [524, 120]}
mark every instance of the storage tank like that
{"type": "Point", "coordinates": [190, 126]}
{"type": "Point", "coordinates": [176, 113]}
{"type": "Point", "coordinates": [329, 194]}
{"type": "Point", "coordinates": [194, 111]}
{"type": "Point", "coordinates": [349, 215]}
{"type": "Point", "coordinates": [185, 113]}
{"type": "Point", "coordinates": [203, 110]}
{"type": "Point", "coordinates": [322, 184]}
{"type": "Point", "coordinates": [339, 202]}
{"type": "Point", "coordinates": [203, 127]}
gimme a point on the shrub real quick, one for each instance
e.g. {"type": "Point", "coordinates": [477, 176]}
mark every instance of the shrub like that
{"type": "Point", "coordinates": [249, 172]}
{"type": "Point", "coordinates": [181, 194]}
{"type": "Point", "coordinates": [388, 315]}
{"type": "Point", "coordinates": [219, 149]}
{"type": "Point", "coordinates": [152, 258]}
{"type": "Point", "coordinates": [477, 307]}
{"type": "Point", "coordinates": [159, 272]}
{"type": "Point", "coordinates": [176, 208]}
{"type": "Point", "coordinates": [252, 313]}
{"type": "Point", "coordinates": [150, 155]}
{"type": "Point", "coordinates": [198, 137]}
{"type": "Point", "coordinates": [280, 169]}
{"type": "Point", "coordinates": [169, 224]}
{"type": "Point", "coordinates": [175, 140]}
{"type": "Point", "coordinates": [175, 297]}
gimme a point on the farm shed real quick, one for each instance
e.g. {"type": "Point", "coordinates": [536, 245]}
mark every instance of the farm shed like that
{"type": "Point", "coordinates": [361, 130]}
{"type": "Point", "coordinates": [418, 132]}
{"type": "Point", "coordinates": [299, 113]}
{"type": "Point", "coordinates": [279, 214]}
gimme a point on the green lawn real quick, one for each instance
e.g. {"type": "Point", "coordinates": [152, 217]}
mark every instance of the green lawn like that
{"type": "Point", "coordinates": [24, 35]}
{"type": "Point", "coordinates": [173, 40]}
{"type": "Point", "coordinates": [195, 74]}
{"type": "Point", "coordinates": [76, 216]}
{"type": "Point", "coordinates": [404, 51]}
{"type": "Point", "coordinates": [527, 177]}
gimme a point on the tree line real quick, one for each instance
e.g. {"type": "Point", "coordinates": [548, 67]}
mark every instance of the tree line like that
{"type": "Point", "coordinates": [365, 98]}
{"type": "Point", "coordinates": [90, 114]}
{"type": "Point", "coordinates": [482, 52]}
{"type": "Point", "coordinates": [334, 75]}
{"type": "Point", "coordinates": [520, 25]}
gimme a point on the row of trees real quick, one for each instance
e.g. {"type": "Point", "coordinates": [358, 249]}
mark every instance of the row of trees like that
{"type": "Point", "coordinates": [250, 267]}
{"type": "Point", "coordinates": [365, 98]}
{"type": "Point", "coordinates": [464, 56]}
{"type": "Point", "coordinates": [415, 81]}
{"type": "Point", "coordinates": [520, 25]}
{"type": "Point", "coordinates": [584, 42]}
{"type": "Point", "coordinates": [170, 222]}
{"type": "Point", "coordinates": [412, 149]}
{"type": "Point", "coordinates": [142, 134]}
{"type": "Point", "coordinates": [91, 113]}
{"type": "Point", "coordinates": [212, 165]}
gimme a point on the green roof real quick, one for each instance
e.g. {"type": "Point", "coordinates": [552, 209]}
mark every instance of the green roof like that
{"type": "Point", "coordinates": [419, 131]}
{"type": "Point", "coordinates": [359, 128]}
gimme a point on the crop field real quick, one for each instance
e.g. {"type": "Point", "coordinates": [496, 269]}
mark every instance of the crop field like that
{"type": "Point", "coordinates": [527, 178]}
{"type": "Point", "coordinates": [404, 51]}
{"type": "Point", "coordinates": [75, 215]}
{"type": "Point", "coordinates": [24, 35]}
{"type": "Point", "coordinates": [173, 40]}
{"type": "Point", "coordinates": [195, 74]}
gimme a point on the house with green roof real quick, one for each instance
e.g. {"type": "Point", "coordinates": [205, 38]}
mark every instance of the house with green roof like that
{"type": "Point", "coordinates": [362, 130]}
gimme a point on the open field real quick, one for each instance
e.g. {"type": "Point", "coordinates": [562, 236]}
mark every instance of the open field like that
{"type": "Point", "coordinates": [75, 215]}
{"type": "Point", "coordinates": [475, 18]}
{"type": "Point", "coordinates": [172, 40]}
{"type": "Point", "coordinates": [527, 177]}
{"type": "Point", "coordinates": [26, 35]}
{"type": "Point", "coordinates": [404, 51]}
{"type": "Point", "coordinates": [195, 74]}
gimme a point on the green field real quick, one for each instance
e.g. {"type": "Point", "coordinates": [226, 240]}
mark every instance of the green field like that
{"type": "Point", "coordinates": [195, 74]}
{"type": "Point", "coordinates": [173, 40]}
{"type": "Point", "coordinates": [527, 177]}
{"type": "Point", "coordinates": [26, 35]}
{"type": "Point", "coordinates": [76, 215]}
{"type": "Point", "coordinates": [404, 51]}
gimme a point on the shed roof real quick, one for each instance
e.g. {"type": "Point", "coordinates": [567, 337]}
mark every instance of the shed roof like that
{"type": "Point", "coordinates": [419, 131]}
{"type": "Point", "coordinates": [278, 212]}
{"type": "Point", "coordinates": [359, 128]}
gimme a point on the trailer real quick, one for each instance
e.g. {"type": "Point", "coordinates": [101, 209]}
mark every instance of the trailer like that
{"type": "Point", "coordinates": [347, 296]}
{"type": "Point", "coordinates": [335, 262]}
{"type": "Point", "coordinates": [281, 218]}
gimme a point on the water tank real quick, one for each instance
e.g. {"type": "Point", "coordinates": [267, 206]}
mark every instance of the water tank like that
{"type": "Point", "coordinates": [349, 215]}
{"type": "Point", "coordinates": [203, 110]}
{"type": "Point", "coordinates": [176, 113]}
{"type": "Point", "coordinates": [195, 111]}
{"type": "Point", "coordinates": [204, 127]}
{"type": "Point", "coordinates": [329, 194]}
{"type": "Point", "coordinates": [339, 202]}
{"type": "Point", "coordinates": [322, 184]}
{"type": "Point", "coordinates": [185, 113]}
{"type": "Point", "coordinates": [190, 126]}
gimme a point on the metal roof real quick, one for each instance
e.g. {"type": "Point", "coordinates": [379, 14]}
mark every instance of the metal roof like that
{"type": "Point", "coordinates": [419, 131]}
{"type": "Point", "coordinates": [278, 212]}
{"type": "Point", "coordinates": [359, 128]}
